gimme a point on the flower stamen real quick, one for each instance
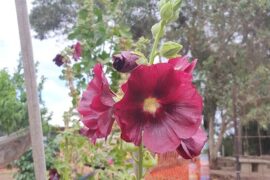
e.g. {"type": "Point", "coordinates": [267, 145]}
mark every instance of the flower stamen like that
{"type": "Point", "coordinates": [150, 105]}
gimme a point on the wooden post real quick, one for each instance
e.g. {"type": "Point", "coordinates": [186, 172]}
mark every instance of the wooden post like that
{"type": "Point", "coordinates": [31, 90]}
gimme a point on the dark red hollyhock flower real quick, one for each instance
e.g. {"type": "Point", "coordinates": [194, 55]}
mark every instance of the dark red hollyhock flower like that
{"type": "Point", "coordinates": [160, 107]}
{"type": "Point", "coordinates": [125, 62]}
{"type": "Point", "coordinates": [191, 147]}
{"type": "Point", "coordinates": [77, 51]}
{"type": "Point", "coordinates": [95, 107]}
{"type": "Point", "coordinates": [53, 174]}
{"type": "Point", "coordinates": [58, 60]}
{"type": "Point", "coordinates": [182, 64]}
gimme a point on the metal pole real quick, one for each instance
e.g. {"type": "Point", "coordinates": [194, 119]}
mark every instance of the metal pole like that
{"type": "Point", "coordinates": [31, 90]}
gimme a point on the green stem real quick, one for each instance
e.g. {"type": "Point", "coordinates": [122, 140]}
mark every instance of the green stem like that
{"type": "Point", "coordinates": [140, 162]}
{"type": "Point", "coordinates": [121, 144]}
{"type": "Point", "coordinates": [157, 38]}
{"type": "Point", "coordinates": [66, 150]}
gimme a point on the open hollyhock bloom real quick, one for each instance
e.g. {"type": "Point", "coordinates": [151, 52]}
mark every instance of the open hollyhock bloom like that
{"type": "Point", "coordinates": [160, 107]}
{"type": "Point", "coordinates": [96, 106]}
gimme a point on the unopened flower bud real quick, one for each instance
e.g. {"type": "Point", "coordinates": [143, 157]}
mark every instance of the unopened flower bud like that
{"type": "Point", "coordinates": [58, 60]}
{"type": "Point", "coordinates": [53, 174]}
{"type": "Point", "coordinates": [125, 61]}
{"type": "Point", "coordinates": [77, 51]}
{"type": "Point", "coordinates": [166, 11]}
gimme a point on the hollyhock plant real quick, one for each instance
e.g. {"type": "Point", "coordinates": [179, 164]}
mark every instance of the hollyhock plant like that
{"type": "Point", "coordinates": [125, 61]}
{"type": "Point", "coordinates": [159, 109]}
{"type": "Point", "coordinates": [95, 107]}
{"type": "Point", "coordinates": [162, 111]}
{"type": "Point", "coordinates": [77, 51]}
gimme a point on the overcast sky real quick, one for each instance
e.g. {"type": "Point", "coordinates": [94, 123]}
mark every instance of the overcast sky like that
{"type": "Point", "coordinates": [55, 93]}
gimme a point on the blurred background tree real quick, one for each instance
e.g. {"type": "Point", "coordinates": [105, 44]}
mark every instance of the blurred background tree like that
{"type": "Point", "coordinates": [13, 112]}
{"type": "Point", "coordinates": [13, 106]}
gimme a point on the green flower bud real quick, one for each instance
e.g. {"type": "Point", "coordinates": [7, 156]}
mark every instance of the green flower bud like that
{"type": "Point", "coordinates": [161, 3]}
{"type": "Point", "coordinates": [166, 11]}
{"type": "Point", "coordinates": [176, 9]}
{"type": "Point", "coordinates": [170, 49]}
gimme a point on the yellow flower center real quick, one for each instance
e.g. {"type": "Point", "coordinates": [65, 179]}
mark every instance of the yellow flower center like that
{"type": "Point", "coordinates": [151, 105]}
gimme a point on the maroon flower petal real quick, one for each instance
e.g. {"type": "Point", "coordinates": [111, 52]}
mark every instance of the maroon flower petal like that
{"type": "Point", "coordinates": [169, 82]}
{"type": "Point", "coordinates": [89, 133]}
{"type": "Point", "coordinates": [131, 122]}
{"type": "Point", "coordinates": [140, 84]}
{"type": "Point", "coordinates": [148, 81]}
{"type": "Point", "coordinates": [183, 110]}
{"type": "Point", "coordinates": [183, 126]}
{"type": "Point", "coordinates": [132, 133]}
{"type": "Point", "coordinates": [158, 137]}
{"type": "Point", "coordinates": [105, 123]}
{"type": "Point", "coordinates": [85, 102]}
{"type": "Point", "coordinates": [91, 120]}
{"type": "Point", "coordinates": [182, 64]}
{"type": "Point", "coordinates": [96, 107]}
{"type": "Point", "coordinates": [192, 147]}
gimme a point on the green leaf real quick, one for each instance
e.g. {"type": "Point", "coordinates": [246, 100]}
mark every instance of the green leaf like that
{"type": "Point", "coordinates": [155, 29]}
{"type": "Point", "coordinates": [83, 14]}
{"type": "Point", "coordinates": [170, 49]}
{"type": "Point", "coordinates": [142, 59]}
{"type": "Point", "coordinates": [72, 35]}
{"type": "Point", "coordinates": [98, 14]}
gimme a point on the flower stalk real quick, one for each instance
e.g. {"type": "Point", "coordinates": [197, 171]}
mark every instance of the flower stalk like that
{"type": "Point", "coordinates": [157, 39]}
{"type": "Point", "coordinates": [140, 162]}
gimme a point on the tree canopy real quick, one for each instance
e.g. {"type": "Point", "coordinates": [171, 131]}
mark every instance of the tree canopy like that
{"type": "Point", "coordinates": [13, 112]}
